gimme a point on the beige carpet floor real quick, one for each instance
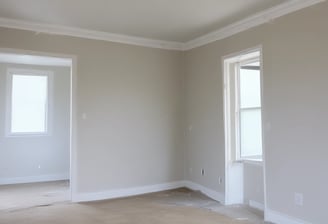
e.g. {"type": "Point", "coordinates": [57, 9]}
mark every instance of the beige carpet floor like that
{"type": "Point", "coordinates": [132, 210]}
{"type": "Point", "coordinates": [180, 206]}
{"type": "Point", "coordinates": [18, 196]}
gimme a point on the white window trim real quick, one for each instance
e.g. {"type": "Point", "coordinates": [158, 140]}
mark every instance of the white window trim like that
{"type": "Point", "coordinates": [237, 61]}
{"type": "Point", "coordinates": [238, 66]}
{"type": "Point", "coordinates": [31, 72]}
{"type": "Point", "coordinates": [237, 111]}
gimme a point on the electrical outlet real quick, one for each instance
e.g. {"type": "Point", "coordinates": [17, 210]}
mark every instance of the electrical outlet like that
{"type": "Point", "coordinates": [203, 172]}
{"type": "Point", "coordinates": [298, 199]}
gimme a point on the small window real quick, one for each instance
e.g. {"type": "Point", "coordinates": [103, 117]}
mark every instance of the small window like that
{"type": "Point", "coordinates": [28, 104]}
{"type": "Point", "coordinates": [243, 109]}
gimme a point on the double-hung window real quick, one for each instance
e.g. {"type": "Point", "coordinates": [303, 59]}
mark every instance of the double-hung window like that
{"type": "Point", "coordinates": [243, 109]}
{"type": "Point", "coordinates": [248, 110]}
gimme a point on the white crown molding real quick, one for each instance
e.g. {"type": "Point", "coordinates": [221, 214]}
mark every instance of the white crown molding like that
{"type": "Point", "coordinates": [250, 22]}
{"type": "Point", "coordinates": [242, 25]}
{"type": "Point", "coordinates": [89, 34]}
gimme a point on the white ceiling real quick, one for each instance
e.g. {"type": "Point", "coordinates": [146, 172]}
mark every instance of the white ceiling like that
{"type": "Point", "coordinates": [168, 20]}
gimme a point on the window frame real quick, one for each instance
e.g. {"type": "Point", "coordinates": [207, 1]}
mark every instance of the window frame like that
{"type": "Point", "coordinates": [238, 110]}
{"type": "Point", "coordinates": [29, 72]}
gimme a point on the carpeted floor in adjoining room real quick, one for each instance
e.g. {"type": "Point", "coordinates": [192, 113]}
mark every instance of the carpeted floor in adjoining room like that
{"type": "Point", "coordinates": [17, 196]}
{"type": "Point", "coordinates": [181, 206]}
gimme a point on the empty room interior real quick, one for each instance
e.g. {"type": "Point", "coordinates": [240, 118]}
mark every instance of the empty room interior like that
{"type": "Point", "coordinates": [148, 111]}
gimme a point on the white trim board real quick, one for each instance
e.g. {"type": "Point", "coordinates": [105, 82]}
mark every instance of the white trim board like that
{"type": "Point", "coordinates": [34, 179]}
{"type": "Point", "coordinates": [272, 216]}
{"type": "Point", "coordinates": [256, 205]}
{"type": "Point", "coordinates": [126, 192]}
{"type": "Point", "coordinates": [217, 196]}
{"type": "Point", "coordinates": [242, 25]}
{"type": "Point", "coordinates": [280, 218]}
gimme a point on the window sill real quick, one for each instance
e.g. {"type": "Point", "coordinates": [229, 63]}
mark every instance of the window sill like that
{"type": "Point", "coordinates": [256, 162]}
{"type": "Point", "coordinates": [28, 135]}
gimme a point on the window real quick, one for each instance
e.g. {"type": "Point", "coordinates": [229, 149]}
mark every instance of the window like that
{"type": "Point", "coordinates": [243, 106]}
{"type": "Point", "coordinates": [248, 86]}
{"type": "Point", "coordinates": [28, 102]}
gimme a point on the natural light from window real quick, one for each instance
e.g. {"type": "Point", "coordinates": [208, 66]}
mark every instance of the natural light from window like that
{"type": "Point", "coordinates": [29, 104]}
{"type": "Point", "coordinates": [250, 111]}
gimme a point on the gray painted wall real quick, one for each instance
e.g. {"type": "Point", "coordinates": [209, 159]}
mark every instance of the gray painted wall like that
{"type": "Point", "coordinates": [132, 99]}
{"type": "Point", "coordinates": [137, 110]}
{"type": "Point", "coordinates": [295, 54]}
{"type": "Point", "coordinates": [253, 183]}
{"type": "Point", "coordinates": [20, 157]}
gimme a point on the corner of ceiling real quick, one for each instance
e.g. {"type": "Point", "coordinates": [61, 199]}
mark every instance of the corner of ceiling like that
{"type": "Point", "coordinates": [250, 22]}
{"type": "Point", "coordinates": [242, 25]}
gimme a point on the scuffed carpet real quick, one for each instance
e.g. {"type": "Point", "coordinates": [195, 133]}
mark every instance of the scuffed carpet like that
{"type": "Point", "coordinates": [145, 209]}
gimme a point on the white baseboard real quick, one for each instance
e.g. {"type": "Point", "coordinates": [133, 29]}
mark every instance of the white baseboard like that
{"type": "Point", "coordinates": [271, 216]}
{"type": "Point", "coordinates": [280, 218]}
{"type": "Point", "coordinates": [34, 179]}
{"type": "Point", "coordinates": [217, 196]}
{"type": "Point", "coordinates": [119, 193]}
{"type": "Point", "coordinates": [256, 205]}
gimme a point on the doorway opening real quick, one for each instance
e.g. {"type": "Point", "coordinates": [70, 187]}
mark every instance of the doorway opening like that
{"type": "Point", "coordinates": [36, 129]}
{"type": "Point", "coordinates": [244, 160]}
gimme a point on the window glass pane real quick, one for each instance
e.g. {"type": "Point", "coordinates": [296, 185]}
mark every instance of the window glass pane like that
{"type": "Point", "coordinates": [250, 87]}
{"type": "Point", "coordinates": [250, 133]}
{"type": "Point", "coordinates": [29, 104]}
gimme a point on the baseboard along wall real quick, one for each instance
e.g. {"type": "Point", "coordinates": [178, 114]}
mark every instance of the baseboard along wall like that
{"type": "Point", "coordinates": [270, 215]}
{"type": "Point", "coordinates": [34, 179]}
{"type": "Point", "coordinates": [281, 218]}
